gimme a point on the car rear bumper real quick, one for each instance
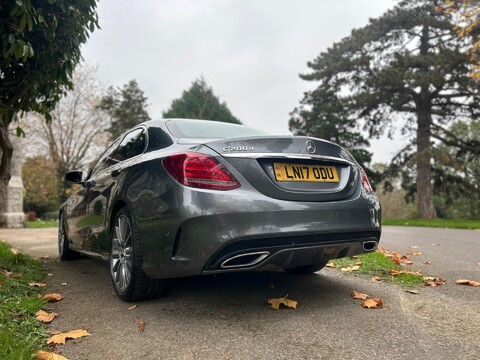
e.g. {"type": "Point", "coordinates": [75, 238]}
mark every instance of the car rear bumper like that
{"type": "Point", "coordinates": [196, 232]}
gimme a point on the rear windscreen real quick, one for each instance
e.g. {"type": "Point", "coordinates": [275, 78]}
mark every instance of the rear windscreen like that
{"type": "Point", "coordinates": [210, 129]}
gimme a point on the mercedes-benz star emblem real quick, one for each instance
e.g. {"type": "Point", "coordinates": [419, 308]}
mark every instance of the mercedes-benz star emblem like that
{"type": "Point", "coordinates": [310, 146]}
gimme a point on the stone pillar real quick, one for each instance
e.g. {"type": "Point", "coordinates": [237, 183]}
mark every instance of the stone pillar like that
{"type": "Point", "coordinates": [11, 207]}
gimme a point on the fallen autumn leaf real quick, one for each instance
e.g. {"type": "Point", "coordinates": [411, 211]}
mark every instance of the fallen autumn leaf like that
{"type": "Point", "coordinates": [350, 268]}
{"type": "Point", "coordinates": [10, 274]}
{"type": "Point", "coordinates": [141, 326]}
{"type": "Point", "coordinates": [62, 337]}
{"type": "Point", "coordinates": [394, 272]}
{"type": "Point", "coordinates": [44, 316]}
{"type": "Point", "coordinates": [34, 284]}
{"type": "Point", "coordinates": [372, 303]}
{"type": "Point", "coordinates": [53, 297]}
{"type": "Point", "coordinates": [377, 278]}
{"type": "Point", "coordinates": [467, 282]}
{"type": "Point", "coordinates": [359, 296]}
{"type": "Point", "coordinates": [331, 265]}
{"type": "Point", "coordinates": [45, 355]}
{"type": "Point", "coordinates": [275, 303]}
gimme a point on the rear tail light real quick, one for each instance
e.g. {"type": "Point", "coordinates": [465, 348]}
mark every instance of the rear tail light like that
{"type": "Point", "coordinates": [200, 171]}
{"type": "Point", "coordinates": [365, 183]}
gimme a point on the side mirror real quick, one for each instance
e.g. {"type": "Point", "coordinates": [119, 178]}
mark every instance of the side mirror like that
{"type": "Point", "coordinates": [74, 177]}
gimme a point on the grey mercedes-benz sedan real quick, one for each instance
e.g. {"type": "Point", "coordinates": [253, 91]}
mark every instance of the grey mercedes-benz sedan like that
{"type": "Point", "coordinates": [176, 198]}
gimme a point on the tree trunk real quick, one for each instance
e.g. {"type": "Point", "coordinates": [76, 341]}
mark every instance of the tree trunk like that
{"type": "Point", "coordinates": [6, 150]}
{"type": "Point", "coordinates": [424, 127]}
{"type": "Point", "coordinates": [424, 169]}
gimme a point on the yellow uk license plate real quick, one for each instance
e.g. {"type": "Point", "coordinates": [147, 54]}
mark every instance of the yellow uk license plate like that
{"type": "Point", "coordinates": [307, 173]}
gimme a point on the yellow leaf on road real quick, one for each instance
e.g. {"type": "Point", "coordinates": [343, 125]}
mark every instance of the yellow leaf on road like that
{"type": "Point", "coordinates": [275, 303]}
{"type": "Point", "coordinates": [132, 307]}
{"type": "Point", "coordinates": [44, 316]}
{"type": "Point", "coordinates": [372, 303]}
{"type": "Point", "coordinates": [359, 296]}
{"type": "Point", "coordinates": [141, 326]}
{"type": "Point", "coordinates": [62, 337]}
{"type": "Point", "coordinates": [331, 265]}
{"type": "Point", "coordinates": [45, 355]}
{"type": "Point", "coordinates": [377, 278]}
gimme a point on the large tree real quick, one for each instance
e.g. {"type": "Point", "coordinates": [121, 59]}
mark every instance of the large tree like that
{"type": "Point", "coordinates": [40, 44]}
{"type": "Point", "coordinates": [407, 65]}
{"type": "Point", "coordinates": [74, 136]}
{"type": "Point", "coordinates": [200, 102]}
{"type": "Point", "coordinates": [126, 107]}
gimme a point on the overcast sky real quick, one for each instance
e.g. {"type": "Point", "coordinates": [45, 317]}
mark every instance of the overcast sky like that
{"type": "Point", "coordinates": [249, 51]}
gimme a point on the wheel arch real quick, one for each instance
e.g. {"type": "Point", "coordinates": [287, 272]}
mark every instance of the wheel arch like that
{"type": "Point", "coordinates": [119, 204]}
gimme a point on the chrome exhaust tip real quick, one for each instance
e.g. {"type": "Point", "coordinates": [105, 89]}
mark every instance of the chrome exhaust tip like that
{"type": "Point", "coordinates": [369, 245]}
{"type": "Point", "coordinates": [244, 260]}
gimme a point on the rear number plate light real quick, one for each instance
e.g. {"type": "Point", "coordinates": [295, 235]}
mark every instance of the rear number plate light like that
{"type": "Point", "coordinates": [306, 173]}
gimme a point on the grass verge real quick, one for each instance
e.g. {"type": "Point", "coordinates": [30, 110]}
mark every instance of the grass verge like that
{"type": "Point", "coordinates": [42, 224]}
{"type": "Point", "coordinates": [440, 223]}
{"type": "Point", "coordinates": [20, 334]}
{"type": "Point", "coordinates": [377, 264]}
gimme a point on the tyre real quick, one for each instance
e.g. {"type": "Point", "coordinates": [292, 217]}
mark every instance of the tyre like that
{"type": "Point", "coordinates": [306, 270]}
{"type": "Point", "coordinates": [64, 251]}
{"type": "Point", "coordinates": [128, 278]}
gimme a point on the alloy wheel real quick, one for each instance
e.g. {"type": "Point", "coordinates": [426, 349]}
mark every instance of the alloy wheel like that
{"type": "Point", "coordinates": [121, 259]}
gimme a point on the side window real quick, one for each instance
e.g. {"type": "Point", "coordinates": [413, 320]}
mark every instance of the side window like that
{"type": "Point", "coordinates": [104, 160]}
{"type": "Point", "coordinates": [132, 145]}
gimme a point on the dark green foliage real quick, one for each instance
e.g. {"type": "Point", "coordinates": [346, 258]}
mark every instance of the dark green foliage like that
{"type": "Point", "coordinates": [457, 173]}
{"type": "Point", "coordinates": [199, 102]}
{"type": "Point", "coordinates": [40, 43]}
{"type": "Point", "coordinates": [127, 107]}
{"type": "Point", "coordinates": [407, 64]}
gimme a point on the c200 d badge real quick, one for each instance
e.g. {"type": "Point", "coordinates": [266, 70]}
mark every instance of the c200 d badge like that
{"type": "Point", "coordinates": [237, 148]}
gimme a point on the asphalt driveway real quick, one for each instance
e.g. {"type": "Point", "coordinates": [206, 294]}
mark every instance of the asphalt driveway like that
{"type": "Point", "coordinates": [227, 317]}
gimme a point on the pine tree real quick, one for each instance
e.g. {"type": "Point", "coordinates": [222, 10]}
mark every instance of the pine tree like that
{"type": "Point", "coordinates": [127, 107]}
{"type": "Point", "coordinates": [407, 64]}
{"type": "Point", "coordinates": [200, 102]}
